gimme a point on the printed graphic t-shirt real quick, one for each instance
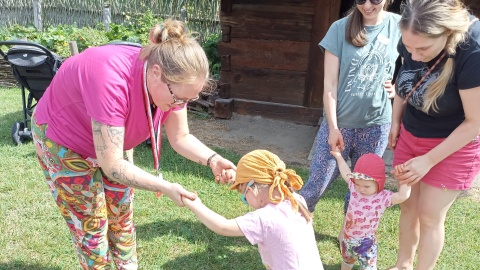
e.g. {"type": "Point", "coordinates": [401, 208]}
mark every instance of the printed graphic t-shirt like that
{"type": "Point", "coordinates": [361, 97]}
{"type": "Point", "coordinates": [450, 114]}
{"type": "Point", "coordinates": [364, 212]}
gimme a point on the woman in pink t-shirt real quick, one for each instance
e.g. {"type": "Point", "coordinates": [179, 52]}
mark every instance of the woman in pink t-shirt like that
{"type": "Point", "coordinates": [100, 105]}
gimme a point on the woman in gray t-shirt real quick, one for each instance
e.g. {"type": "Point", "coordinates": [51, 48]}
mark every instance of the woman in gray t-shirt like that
{"type": "Point", "coordinates": [360, 53]}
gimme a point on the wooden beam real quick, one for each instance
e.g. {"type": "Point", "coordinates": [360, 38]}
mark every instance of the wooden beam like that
{"type": "Point", "coordinates": [280, 86]}
{"type": "Point", "coordinates": [226, 6]}
{"type": "Point", "coordinates": [226, 33]}
{"type": "Point", "coordinates": [272, 54]}
{"type": "Point", "coordinates": [326, 12]}
{"type": "Point", "coordinates": [269, 22]}
{"type": "Point", "coordinates": [223, 108]}
{"type": "Point", "coordinates": [296, 114]}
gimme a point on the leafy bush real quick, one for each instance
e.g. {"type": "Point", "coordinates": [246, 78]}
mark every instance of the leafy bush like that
{"type": "Point", "coordinates": [56, 38]}
{"type": "Point", "coordinates": [210, 45]}
{"type": "Point", "coordinates": [134, 29]}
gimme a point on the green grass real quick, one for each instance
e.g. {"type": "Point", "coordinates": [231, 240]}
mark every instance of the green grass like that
{"type": "Point", "coordinates": [34, 236]}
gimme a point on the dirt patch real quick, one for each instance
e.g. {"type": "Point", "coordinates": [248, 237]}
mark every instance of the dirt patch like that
{"type": "Point", "coordinates": [291, 142]}
{"type": "Point", "coordinates": [242, 134]}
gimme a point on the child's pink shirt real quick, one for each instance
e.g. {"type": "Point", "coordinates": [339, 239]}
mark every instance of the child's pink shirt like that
{"type": "Point", "coordinates": [285, 239]}
{"type": "Point", "coordinates": [364, 212]}
{"type": "Point", "coordinates": [102, 83]}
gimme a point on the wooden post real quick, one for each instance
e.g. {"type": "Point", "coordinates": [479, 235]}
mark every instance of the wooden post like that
{"type": "Point", "coordinates": [73, 47]}
{"type": "Point", "coordinates": [224, 90]}
{"type": "Point", "coordinates": [106, 16]}
{"type": "Point", "coordinates": [183, 14]}
{"type": "Point", "coordinates": [226, 33]}
{"type": "Point", "coordinates": [223, 108]}
{"type": "Point", "coordinates": [37, 14]}
{"type": "Point", "coordinates": [226, 6]}
{"type": "Point", "coordinates": [325, 13]}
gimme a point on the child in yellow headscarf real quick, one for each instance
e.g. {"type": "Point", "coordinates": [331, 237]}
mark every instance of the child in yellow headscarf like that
{"type": "Point", "coordinates": [281, 225]}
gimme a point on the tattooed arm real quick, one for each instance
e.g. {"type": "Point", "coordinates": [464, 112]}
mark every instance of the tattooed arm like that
{"type": "Point", "coordinates": [187, 145]}
{"type": "Point", "coordinates": [108, 142]}
{"type": "Point", "coordinates": [129, 155]}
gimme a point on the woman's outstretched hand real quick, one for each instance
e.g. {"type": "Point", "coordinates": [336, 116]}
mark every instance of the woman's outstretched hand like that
{"type": "Point", "coordinates": [175, 192]}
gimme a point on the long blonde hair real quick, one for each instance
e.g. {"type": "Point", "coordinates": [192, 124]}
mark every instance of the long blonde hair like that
{"type": "Point", "coordinates": [178, 53]}
{"type": "Point", "coordinates": [355, 32]}
{"type": "Point", "coordinates": [434, 18]}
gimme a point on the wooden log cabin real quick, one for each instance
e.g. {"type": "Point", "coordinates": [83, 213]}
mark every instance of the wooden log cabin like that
{"type": "Point", "coordinates": [271, 64]}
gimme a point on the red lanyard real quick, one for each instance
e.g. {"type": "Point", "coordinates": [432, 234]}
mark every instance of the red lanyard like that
{"type": "Point", "coordinates": [424, 76]}
{"type": "Point", "coordinates": [155, 138]}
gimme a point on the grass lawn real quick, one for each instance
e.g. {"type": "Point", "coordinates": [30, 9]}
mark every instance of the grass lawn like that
{"type": "Point", "coordinates": [33, 234]}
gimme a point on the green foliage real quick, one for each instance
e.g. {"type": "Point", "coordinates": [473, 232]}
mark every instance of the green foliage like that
{"type": "Point", "coordinates": [56, 38]}
{"type": "Point", "coordinates": [210, 45]}
{"type": "Point", "coordinates": [134, 29]}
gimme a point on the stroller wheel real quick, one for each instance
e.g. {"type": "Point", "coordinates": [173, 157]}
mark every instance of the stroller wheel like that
{"type": "Point", "coordinates": [148, 142]}
{"type": "Point", "coordinates": [16, 129]}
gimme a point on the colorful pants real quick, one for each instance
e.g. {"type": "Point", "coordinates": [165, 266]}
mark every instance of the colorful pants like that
{"type": "Point", "coordinates": [98, 211]}
{"type": "Point", "coordinates": [364, 250]}
{"type": "Point", "coordinates": [324, 169]}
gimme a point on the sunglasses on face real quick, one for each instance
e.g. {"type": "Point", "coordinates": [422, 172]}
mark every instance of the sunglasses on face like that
{"type": "Point", "coordinates": [250, 183]}
{"type": "Point", "coordinates": [177, 101]}
{"type": "Point", "coordinates": [374, 2]}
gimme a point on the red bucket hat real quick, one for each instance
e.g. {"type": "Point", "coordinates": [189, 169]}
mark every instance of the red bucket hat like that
{"type": "Point", "coordinates": [370, 167]}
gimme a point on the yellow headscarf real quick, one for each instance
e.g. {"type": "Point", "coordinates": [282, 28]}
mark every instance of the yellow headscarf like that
{"type": "Point", "coordinates": [265, 167]}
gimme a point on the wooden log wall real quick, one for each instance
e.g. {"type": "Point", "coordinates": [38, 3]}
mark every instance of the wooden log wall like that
{"type": "Point", "coordinates": [268, 49]}
{"type": "Point", "coordinates": [474, 6]}
{"type": "Point", "coordinates": [265, 51]}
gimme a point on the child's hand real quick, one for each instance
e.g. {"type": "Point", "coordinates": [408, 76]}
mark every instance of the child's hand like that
{"type": "Point", "coordinates": [398, 170]}
{"type": "Point", "coordinates": [336, 153]}
{"type": "Point", "coordinates": [228, 175]}
{"type": "Point", "coordinates": [189, 203]}
{"type": "Point", "coordinates": [176, 193]}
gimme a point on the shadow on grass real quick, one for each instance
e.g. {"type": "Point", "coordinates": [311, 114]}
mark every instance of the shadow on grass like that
{"type": "Point", "coordinates": [19, 265]}
{"type": "Point", "coordinates": [332, 266]}
{"type": "Point", "coordinates": [219, 253]}
{"type": "Point", "coordinates": [326, 238]}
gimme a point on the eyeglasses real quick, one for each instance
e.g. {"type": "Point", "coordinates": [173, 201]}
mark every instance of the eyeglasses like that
{"type": "Point", "coordinates": [374, 2]}
{"type": "Point", "coordinates": [250, 183]}
{"type": "Point", "coordinates": [177, 101]}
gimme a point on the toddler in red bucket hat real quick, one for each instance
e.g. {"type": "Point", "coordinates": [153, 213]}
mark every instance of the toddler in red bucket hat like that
{"type": "Point", "coordinates": [368, 201]}
{"type": "Point", "coordinates": [370, 167]}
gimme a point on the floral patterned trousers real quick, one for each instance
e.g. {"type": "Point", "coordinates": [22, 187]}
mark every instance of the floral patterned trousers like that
{"type": "Point", "coordinates": [98, 211]}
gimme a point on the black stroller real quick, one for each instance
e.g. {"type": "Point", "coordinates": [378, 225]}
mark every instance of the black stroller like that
{"type": "Point", "coordinates": [33, 67]}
